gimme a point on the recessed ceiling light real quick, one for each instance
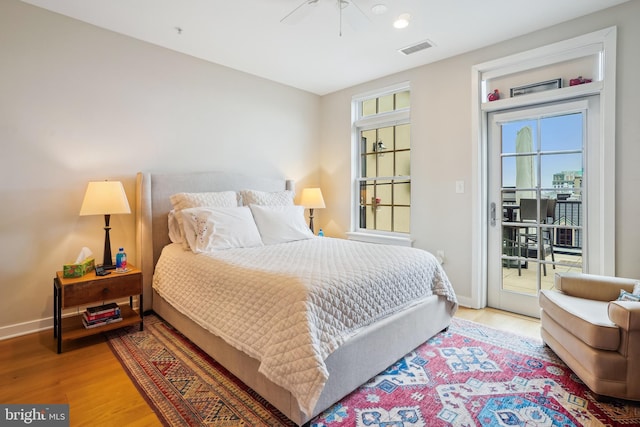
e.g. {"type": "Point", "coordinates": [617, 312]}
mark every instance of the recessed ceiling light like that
{"type": "Point", "coordinates": [402, 21]}
{"type": "Point", "coordinates": [379, 9]}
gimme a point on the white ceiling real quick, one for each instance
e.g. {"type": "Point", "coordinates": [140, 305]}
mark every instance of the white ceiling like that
{"type": "Point", "coordinates": [311, 54]}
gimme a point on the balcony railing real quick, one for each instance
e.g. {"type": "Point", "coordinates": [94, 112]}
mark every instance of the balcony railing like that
{"type": "Point", "coordinates": [568, 214]}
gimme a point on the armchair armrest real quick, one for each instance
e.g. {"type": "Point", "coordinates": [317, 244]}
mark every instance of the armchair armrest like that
{"type": "Point", "coordinates": [592, 286]}
{"type": "Point", "coordinates": [625, 314]}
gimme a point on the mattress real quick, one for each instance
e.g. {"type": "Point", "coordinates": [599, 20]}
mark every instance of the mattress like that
{"type": "Point", "coordinates": [291, 305]}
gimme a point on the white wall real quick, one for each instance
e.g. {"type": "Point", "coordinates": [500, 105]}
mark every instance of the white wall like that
{"type": "Point", "coordinates": [78, 103]}
{"type": "Point", "coordinates": [442, 143]}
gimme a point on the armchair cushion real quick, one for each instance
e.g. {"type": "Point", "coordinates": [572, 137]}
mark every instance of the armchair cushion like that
{"type": "Point", "coordinates": [587, 319]}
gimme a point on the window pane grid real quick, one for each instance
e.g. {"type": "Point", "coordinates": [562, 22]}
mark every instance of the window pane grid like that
{"type": "Point", "coordinates": [380, 202]}
{"type": "Point", "coordinates": [384, 163]}
{"type": "Point", "coordinates": [385, 104]}
{"type": "Point", "coordinates": [380, 155]}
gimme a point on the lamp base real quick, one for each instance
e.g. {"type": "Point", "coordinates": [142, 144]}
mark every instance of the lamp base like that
{"type": "Point", "coordinates": [311, 221]}
{"type": "Point", "coordinates": [107, 260]}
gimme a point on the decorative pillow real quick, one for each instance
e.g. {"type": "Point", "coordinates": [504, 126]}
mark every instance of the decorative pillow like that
{"type": "Point", "coordinates": [174, 228]}
{"type": "Point", "coordinates": [264, 198]}
{"type": "Point", "coordinates": [626, 296]}
{"type": "Point", "coordinates": [279, 224]}
{"type": "Point", "coordinates": [209, 229]}
{"type": "Point", "coordinates": [215, 199]}
{"type": "Point", "coordinates": [636, 289]}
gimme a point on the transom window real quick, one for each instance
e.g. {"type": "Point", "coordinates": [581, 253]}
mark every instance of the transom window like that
{"type": "Point", "coordinates": [382, 161]}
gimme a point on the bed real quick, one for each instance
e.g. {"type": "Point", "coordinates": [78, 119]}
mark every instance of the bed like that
{"type": "Point", "coordinates": [339, 352]}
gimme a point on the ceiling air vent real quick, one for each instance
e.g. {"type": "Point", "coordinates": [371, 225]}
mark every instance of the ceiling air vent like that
{"type": "Point", "coordinates": [416, 47]}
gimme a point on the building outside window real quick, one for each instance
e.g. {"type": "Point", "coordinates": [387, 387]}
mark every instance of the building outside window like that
{"type": "Point", "coordinates": [382, 162]}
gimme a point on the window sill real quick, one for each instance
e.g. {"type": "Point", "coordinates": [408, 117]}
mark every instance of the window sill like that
{"type": "Point", "coordinates": [380, 238]}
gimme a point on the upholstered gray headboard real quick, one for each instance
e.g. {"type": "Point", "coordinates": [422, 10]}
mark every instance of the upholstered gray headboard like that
{"type": "Point", "coordinates": [153, 205]}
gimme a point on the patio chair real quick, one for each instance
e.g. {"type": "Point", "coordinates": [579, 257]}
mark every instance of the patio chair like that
{"type": "Point", "coordinates": [529, 213]}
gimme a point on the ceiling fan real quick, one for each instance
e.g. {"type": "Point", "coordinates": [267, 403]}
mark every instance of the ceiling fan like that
{"type": "Point", "coordinates": [348, 10]}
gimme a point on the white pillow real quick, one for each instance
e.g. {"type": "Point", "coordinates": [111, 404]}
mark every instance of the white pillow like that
{"type": "Point", "coordinates": [209, 229]}
{"type": "Point", "coordinates": [265, 198]}
{"type": "Point", "coordinates": [218, 199]}
{"type": "Point", "coordinates": [174, 227]}
{"type": "Point", "coordinates": [636, 289]}
{"type": "Point", "coordinates": [279, 224]}
{"type": "Point", "coordinates": [214, 199]}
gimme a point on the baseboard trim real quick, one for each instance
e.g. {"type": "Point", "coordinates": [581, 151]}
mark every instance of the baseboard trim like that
{"type": "Point", "coordinates": [465, 302]}
{"type": "Point", "coordinates": [25, 328]}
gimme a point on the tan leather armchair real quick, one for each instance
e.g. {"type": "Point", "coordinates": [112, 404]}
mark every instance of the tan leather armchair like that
{"type": "Point", "coordinates": [595, 335]}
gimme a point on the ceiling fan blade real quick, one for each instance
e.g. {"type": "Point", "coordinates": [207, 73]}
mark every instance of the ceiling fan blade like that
{"type": "Point", "coordinates": [354, 15]}
{"type": "Point", "coordinates": [299, 12]}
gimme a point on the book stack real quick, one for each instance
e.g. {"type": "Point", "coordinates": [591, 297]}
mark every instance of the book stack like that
{"type": "Point", "coordinates": [101, 315]}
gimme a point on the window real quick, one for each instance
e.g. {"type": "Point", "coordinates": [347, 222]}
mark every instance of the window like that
{"type": "Point", "coordinates": [382, 163]}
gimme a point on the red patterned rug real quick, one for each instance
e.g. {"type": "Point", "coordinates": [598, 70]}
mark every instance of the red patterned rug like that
{"type": "Point", "coordinates": [470, 375]}
{"type": "Point", "coordinates": [183, 385]}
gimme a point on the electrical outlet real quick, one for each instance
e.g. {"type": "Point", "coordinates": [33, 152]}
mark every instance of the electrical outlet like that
{"type": "Point", "coordinates": [460, 187]}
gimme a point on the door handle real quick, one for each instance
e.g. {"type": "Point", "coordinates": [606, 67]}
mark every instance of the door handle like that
{"type": "Point", "coordinates": [492, 214]}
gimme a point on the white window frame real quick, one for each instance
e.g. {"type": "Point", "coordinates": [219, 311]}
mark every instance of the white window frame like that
{"type": "Point", "coordinates": [359, 123]}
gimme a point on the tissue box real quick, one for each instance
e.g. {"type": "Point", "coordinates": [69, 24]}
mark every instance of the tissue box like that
{"type": "Point", "coordinates": [78, 270]}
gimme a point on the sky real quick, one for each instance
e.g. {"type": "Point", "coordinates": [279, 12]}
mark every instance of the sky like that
{"type": "Point", "coordinates": [562, 135]}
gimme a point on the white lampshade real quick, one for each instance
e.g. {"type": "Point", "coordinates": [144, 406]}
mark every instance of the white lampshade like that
{"type": "Point", "coordinates": [105, 198]}
{"type": "Point", "coordinates": [312, 198]}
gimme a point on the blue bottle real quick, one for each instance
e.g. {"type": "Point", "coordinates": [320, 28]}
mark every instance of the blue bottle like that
{"type": "Point", "coordinates": [320, 233]}
{"type": "Point", "coordinates": [121, 261]}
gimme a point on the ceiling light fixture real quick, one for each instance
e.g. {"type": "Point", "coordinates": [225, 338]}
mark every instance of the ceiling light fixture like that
{"type": "Point", "coordinates": [379, 9]}
{"type": "Point", "coordinates": [402, 21]}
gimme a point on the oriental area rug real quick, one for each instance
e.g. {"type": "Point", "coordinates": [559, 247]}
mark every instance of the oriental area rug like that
{"type": "Point", "coordinates": [470, 375]}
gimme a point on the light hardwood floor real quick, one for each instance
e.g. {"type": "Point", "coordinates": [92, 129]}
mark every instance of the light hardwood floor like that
{"type": "Point", "coordinates": [503, 320]}
{"type": "Point", "coordinates": [91, 380]}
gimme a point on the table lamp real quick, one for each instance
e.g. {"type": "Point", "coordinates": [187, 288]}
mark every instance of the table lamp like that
{"type": "Point", "coordinates": [312, 199]}
{"type": "Point", "coordinates": [105, 198]}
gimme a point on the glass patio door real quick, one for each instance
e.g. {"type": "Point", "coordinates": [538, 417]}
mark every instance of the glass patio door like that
{"type": "Point", "coordinates": [537, 192]}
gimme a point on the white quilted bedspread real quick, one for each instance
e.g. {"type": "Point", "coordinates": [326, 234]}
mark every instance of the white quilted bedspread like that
{"type": "Point", "coordinates": [290, 305]}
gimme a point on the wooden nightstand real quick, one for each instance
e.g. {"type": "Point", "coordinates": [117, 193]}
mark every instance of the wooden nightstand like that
{"type": "Point", "coordinates": [91, 289]}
